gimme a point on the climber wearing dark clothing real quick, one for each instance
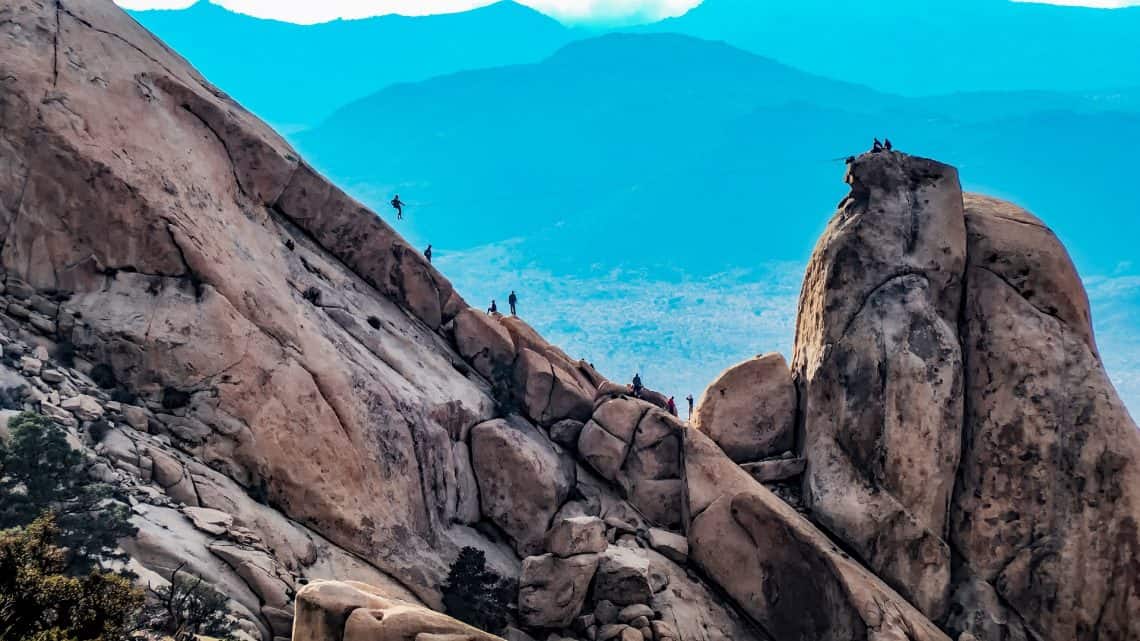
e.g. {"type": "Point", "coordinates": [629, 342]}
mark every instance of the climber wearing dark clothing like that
{"type": "Point", "coordinates": [398, 205]}
{"type": "Point", "coordinates": [513, 300]}
{"type": "Point", "coordinates": [690, 399]}
{"type": "Point", "coordinates": [637, 386]}
{"type": "Point", "coordinates": [877, 147]}
{"type": "Point", "coordinates": [493, 309]}
{"type": "Point", "coordinates": [427, 253]}
{"type": "Point", "coordinates": [671, 406]}
{"type": "Point", "coordinates": [887, 144]}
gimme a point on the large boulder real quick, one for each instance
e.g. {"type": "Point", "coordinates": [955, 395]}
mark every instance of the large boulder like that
{"type": "Point", "coordinates": [576, 535]}
{"type": "Point", "coordinates": [1048, 499]}
{"type": "Point", "coordinates": [350, 611]}
{"type": "Point", "coordinates": [549, 393]}
{"type": "Point", "coordinates": [750, 409]}
{"type": "Point", "coordinates": [878, 360]}
{"type": "Point", "coordinates": [623, 577]}
{"type": "Point", "coordinates": [522, 479]}
{"type": "Point", "coordinates": [484, 343]}
{"type": "Point", "coordinates": [779, 568]}
{"type": "Point", "coordinates": [552, 589]}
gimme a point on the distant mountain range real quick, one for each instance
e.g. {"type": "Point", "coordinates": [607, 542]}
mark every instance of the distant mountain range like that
{"type": "Point", "coordinates": [293, 76]}
{"type": "Point", "coordinates": [634, 144]}
{"type": "Point", "coordinates": [922, 47]}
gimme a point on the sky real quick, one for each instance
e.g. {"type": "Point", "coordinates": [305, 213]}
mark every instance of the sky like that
{"type": "Point", "coordinates": [570, 11]}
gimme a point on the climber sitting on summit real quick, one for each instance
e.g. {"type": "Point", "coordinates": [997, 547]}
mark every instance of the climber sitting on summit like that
{"type": "Point", "coordinates": [877, 147]}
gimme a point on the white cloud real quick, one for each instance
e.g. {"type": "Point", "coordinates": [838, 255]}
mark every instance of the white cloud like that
{"type": "Point", "coordinates": [310, 11]}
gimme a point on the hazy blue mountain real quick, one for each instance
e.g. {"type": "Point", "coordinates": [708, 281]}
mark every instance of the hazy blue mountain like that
{"type": "Point", "coordinates": [293, 75]}
{"type": "Point", "coordinates": [627, 144]}
{"type": "Point", "coordinates": [931, 46]}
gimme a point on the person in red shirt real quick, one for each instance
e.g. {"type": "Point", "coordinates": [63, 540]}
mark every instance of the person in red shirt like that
{"type": "Point", "coordinates": [672, 406]}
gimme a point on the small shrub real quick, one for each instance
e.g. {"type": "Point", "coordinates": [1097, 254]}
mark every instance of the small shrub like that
{"type": "Point", "coordinates": [374, 322]}
{"type": "Point", "coordinates": [173, 398]}
{"type": "Point", "coordinates": [475, 595]}
{"type": "Point", "coordinates": [104, 376]}
{"type": "Point", "coordinates": [186, 608]}
{"type": "Point", "coordinates": [313, 295]}
{"type": "Point", "coordinates": [65, 353]}
{"type": "Point", "coordinates": [39, 602]}
{"type": "Point", "coordinates": [123, 395]}
{"type": "Point", "coordinates": [12, 398]}
{"type": "Point", "coordinates": [97, 430]}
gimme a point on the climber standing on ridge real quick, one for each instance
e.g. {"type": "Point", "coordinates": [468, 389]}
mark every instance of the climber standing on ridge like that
{"type": "Point", "coordinates": [671, 406]}
{"type": "Point", "coordinates": [427, 253]}
{"type": "Point", "coordinates": [398, 205]}
{"type": "Point", "coordinates": [636, 386]}
{"type": "Point", "coordinates": [493, 309]}
{"type": "Point", "coordinates": [513, 300]}
{"type": "Point", "coordinates": [690, 399]}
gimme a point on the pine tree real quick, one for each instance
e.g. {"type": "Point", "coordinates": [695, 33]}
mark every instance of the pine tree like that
{"type": "Point", "coordinates": [475, 595]}
{"type": "Point", "coordinates": [39, 472]}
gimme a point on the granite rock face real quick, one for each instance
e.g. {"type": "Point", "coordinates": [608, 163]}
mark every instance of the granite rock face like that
{"type": "Point", "coordinates": [1048, 501]}
{"type": "Point", "coordinates": [285, 391]}
{"type": "Point", "coordinates": [879, 363]}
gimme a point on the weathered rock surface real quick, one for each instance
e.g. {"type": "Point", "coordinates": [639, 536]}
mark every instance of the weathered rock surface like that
{"type": "Point", "coordinates": [878, 360]}
{"type": "Point", "coordinates": [552, 589]}
{"type": "Point", "coordinates": [522, 479]}
{"type": "Point", "coordinates": [303, 408]}
{"type": "Point", "coordinates": [772, 561]}
{"type": "Point", "coordinates": [485, 343]}
{"type": "Point", "coordinates": [576, 535]}
{"type": "Point", "coordinates": [351, 611]}
{"type": "Point", "coordinates": [1048, 500]}
{"type": "Point", "coordinates": [750, 409]}
{"type": "Point", "coordinates": [623, 577]}
{"type": "Point", "coordinates": [165, 230]}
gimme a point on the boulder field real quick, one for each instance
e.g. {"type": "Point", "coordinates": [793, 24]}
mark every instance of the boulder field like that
{"type": "Point", "coordinates": [301, 410]}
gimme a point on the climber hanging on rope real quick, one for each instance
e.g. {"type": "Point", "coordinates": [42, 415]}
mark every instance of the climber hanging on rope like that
{"type": "Point", "coordinates": [398, 205]}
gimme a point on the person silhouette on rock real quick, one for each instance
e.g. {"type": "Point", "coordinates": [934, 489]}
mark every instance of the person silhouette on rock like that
{"type": "Point", "coordinates": [427, 253]}
{"type": "Point", "coordinates": [398, 205]}
{"type": "Point", "coordinates": [513, 300]}
{"type": "Point", "coordinates": [493, 309]}
{"type": "Point", "coordinates": [690, 399]}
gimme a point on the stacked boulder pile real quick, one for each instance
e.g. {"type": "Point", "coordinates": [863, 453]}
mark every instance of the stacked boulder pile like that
{"type": "Point", "coordinates": [286, 392]}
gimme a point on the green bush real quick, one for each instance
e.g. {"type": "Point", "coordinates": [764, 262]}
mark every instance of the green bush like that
{"type": "Point", "coordinates": [40, 472]}
{"type": "Point", "coordinates": [38, 602]}
{"type": "Point", "coordinates": [475, 595]}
